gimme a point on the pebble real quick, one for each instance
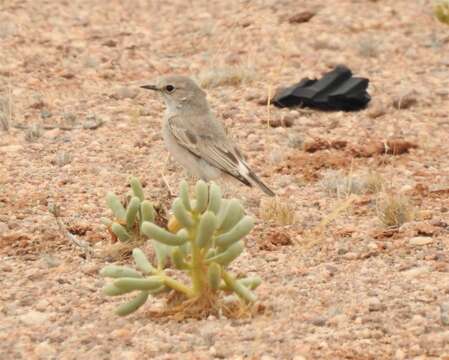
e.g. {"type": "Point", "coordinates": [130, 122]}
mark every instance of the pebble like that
{"type": "Point", "coordinates": [45, 351]}
{"type": "Point", "coordinates": [92, 122]}
{"type": "Point", "coordinates": [374, 304]}
{"type": "Point", "coordinates": [420, 241]}
{"type": "Point", "coordinates": [319, 321]}
{"type": "Point", "coordinates": [53, 133]}
{"type": "Point", "coordinates": [45, 114]}
{"type": "Point", "coordinates": [276, 156]}
{"type": "Point", "coordinates": [295, 141]}
{"type": "Point", "coordinates": [416, 271]}
{"type": "Point", "coordinates": [399, 354]}
{"type": "Point", "coordinates": [50, 260]}
{"type": "Point", "coordinates": [4, 228]}
{"type": "Point", "coordinates": [42, 305]}
{"type": "Point", "coordinates": [34, 318]}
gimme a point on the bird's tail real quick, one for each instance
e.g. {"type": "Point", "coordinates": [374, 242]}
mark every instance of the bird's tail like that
{"type": "Point", "coordinates": [254, 179]}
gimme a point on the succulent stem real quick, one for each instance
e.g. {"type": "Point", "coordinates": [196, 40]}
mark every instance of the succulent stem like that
{"type": "Point", "coordinates": [178, 286]}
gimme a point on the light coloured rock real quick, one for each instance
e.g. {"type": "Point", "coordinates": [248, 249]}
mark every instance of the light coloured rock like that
{"type": "Point", "coordinates": [4, 228]}
{"type": "Point", "coordinates": [420, 241]}
{"type": "Point", "coordinates": [374, 304]}
{"type": "Point", "coordinates": [417, 271]}
{"type": "Point", "coordinates": [34, 318]}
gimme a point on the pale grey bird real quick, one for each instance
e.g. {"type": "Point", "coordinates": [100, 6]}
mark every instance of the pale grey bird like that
{"type": "Point", "coordinates": [195, 138]}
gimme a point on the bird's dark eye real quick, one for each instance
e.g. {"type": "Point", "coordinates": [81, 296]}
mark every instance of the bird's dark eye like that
{"type": "Point", "coordinates": [170, 88]}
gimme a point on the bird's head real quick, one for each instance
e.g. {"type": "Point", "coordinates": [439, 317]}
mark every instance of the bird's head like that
{"type": "Point", "coordinates": [178, 91]}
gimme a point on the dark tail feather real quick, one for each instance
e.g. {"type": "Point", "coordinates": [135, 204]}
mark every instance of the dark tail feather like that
{"type": "Point", "coordinates": [259, 183]}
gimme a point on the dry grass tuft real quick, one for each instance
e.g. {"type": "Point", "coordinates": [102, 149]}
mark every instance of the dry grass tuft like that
{"type": "Point", "coordinates": [374, 182]}
{"type": "Point", "coordinates": [179, 309]}
{"type": "Point", "coordinates": [5, 113]}
{"type": "Point", "coordinates": [63, 158]}
{"type": "Point", "coordinates": [120, 250]}
{"type": "Point", "coordinates": [368, 47]}
{"type": "Point", "coordinates": [394, 210]}
{"type": "Point", "coordinates": [278, 211]}
{"type": "Point", "coordinates": [33, 133]}
{"type": "Point", "coordinates": [336, 182]}
{"type": "Point", "coordinates": [227, 75]}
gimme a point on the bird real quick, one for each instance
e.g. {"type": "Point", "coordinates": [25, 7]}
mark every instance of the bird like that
{"type": "Point", "coordinates": [195, 138]}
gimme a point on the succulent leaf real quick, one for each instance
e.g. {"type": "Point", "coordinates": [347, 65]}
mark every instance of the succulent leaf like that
{"type": "Point", "coordinates": [202, 195]}
{"type": "Point", "coordinates": [142, 262]}
{"type": "Point", "coordinates": [184, 195]}
{"type": "Point", "coordinates": [130, 283]}
{"type": "Point", "coordinates": [240, 230]}
{"type": "Point", "coordinates": [155, 232]}
{"type": "Point", "coordinates": [116, 206]}
{"type": "Point", "coordinates": [234, 212]}
{"type": "Point", "coordinates": [147, 210]}
{"type": "Point", "coordinates": [214, 276]}
{"type": "Point", "coordinates": [227, 256]}
{"type": "Point", "coordinates": [131, 212]}
{"type": "Point", "coordinates": [136, 187]}
{"type": "Point", "coordinates": [132, 305]}
{"type": "Point", "coordinates": [120, 232]}
{"type": "Point", "coordinates": [214, 198]}
{"type": "Point", "coordinates": [206, 229]}
{"type": "Point", "coordinates": [182, 214]}
{"type": "Point", "coordinates": [115, 271]}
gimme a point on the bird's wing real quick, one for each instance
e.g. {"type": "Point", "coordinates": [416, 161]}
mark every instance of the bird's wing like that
{"type": "Point", "coordinates": [212, 147]}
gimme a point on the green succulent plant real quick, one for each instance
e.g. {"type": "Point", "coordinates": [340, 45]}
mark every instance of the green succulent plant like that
{"type": "Point", "coordinates": [127, 222]}
{"type": "Point", "coordinates": [203, 237]}
{"type": "Point", "coordinates": [441, 11]}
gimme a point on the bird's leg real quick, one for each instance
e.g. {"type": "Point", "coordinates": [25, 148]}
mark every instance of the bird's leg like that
{"type": "Point", "coordinates": [164, 179]}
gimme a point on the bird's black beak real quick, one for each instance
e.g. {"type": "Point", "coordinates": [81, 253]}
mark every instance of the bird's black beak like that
{"type": "Point", "coordinates": [150, 87]}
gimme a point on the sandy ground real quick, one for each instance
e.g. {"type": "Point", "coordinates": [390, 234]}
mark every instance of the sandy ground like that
{"type": "Point", "coordinates": [346, 289]}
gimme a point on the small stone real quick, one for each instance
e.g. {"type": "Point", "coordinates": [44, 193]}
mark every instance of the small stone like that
{"type": "Point", "coordinates": [110, 43]}
{"type": "Point", "coordinates": [295, 141]}
{"type": "Point", "coordinates": [45, 114]}
{"type": "Point", "coordinates": [302, 17]}
{"type": "Point", "coordinates": [69, 120]}
{"type": "Point", "coordinates": [4, 228]}
{"type": "Point", "coordinates": [374, 304]}
{"type": "Point", "coordinates": [399, 354]}
{"type": "Point", "coordinates": [417, 271]}
{"type": "Point", "coordinates": [33, 318]}
{"type": "Point", "coordinates": [444, 313]}
{"type": "Point", "coordinates": [92, 122]}
{"type": "Point", "coordinates": [50, 260]}
{"type": "Point", "coordinates": [121, 333]}
{"type": "Point", "coordinates": [37, 102]}
{"type": "Point", "coordinates": [124, 93]}
{"type": "Point", "coordinates": [319, 321]}
{"type": "Point", "coordinates": [42, 305]}
{"type": "Point", "coordinates": [52, 133]}
{"type": "Point", "coordinates": [377, 109]}
{"type": "Point", "coordinates": [276, 156]}
{"type": "Point", "coordinates": [44, 350]}
{"type": "Point", "coordinates": [68, 75]}
{"type": "Point", "coordinates": [420, 241]}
